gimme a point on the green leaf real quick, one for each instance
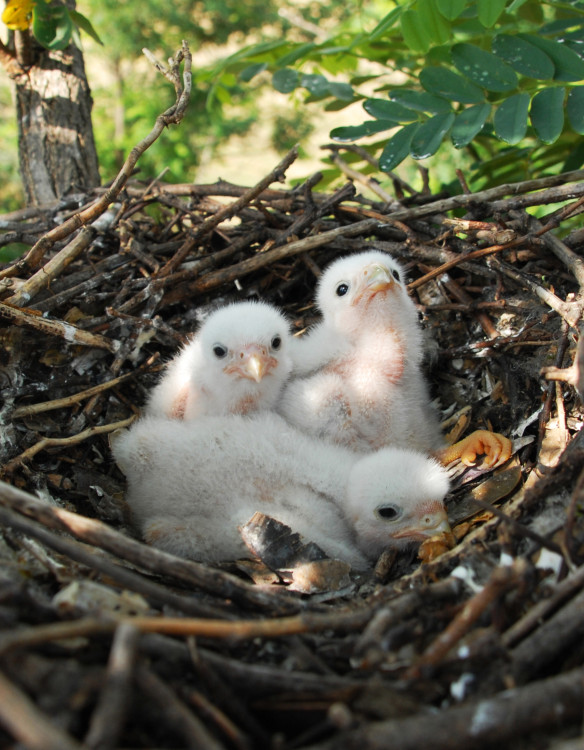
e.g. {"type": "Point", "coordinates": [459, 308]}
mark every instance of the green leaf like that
{"type": "Point", "coordinates": [420, 101]}
{"type": "Point", "coordinates": [489, 11]}
{"type": "Point", "coordinates": [569, 66]}
{"type": "Point", "coordinates": [575, 108]}
{"type": "Point", "coordinates": [384, 110]}
{"type": "Point", "coordinates": [385, 24]}
{"type": "Point", "coordinates": [316, 84]}
{"type": "Point", "coordinates": [469, 123]}
{"type": "Point", "coordinates": [547, 114]}
{"type": "Point", "coordinates": [414, 31]}
{"type": "Point", "coordinates": [343, 91]}
{"type": "Point", "coordinates": [397, 148]}
{"type": "Point", "coordinates": [510, 119]}
{"type": "Point", "coordinates": [85, 25]}
{"type": "Point", "coordinates": [348, 133]}
{"type": "Point", "coordinates": [450, 85]}
{"type": "Point", "coordinates": [430, 16]}
{"type": "Point", "coordinates": [523, 57]}
{"type": "Point", "coordinates": [286, 80]}
{"type": "Point", "coordinates": [251, 71]}
{"type": "Point", "coordinates": [430, 134]}
{"type": "Point", "coordinates": [51, 25]}
{"type": "Point", "coordinates": [451, 9]}
{"type": "Point", "coordinates": [483, 68]}
{"type": "Point", "coordinates": [298, 51]}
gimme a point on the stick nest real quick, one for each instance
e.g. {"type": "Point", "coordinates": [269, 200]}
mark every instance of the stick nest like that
{"type": "Point", "coordinates": [108, 643]}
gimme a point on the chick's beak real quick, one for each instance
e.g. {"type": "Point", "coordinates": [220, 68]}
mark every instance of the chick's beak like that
{"type": "Point", "coordinates": [374, 278]}
{"type": "Point", "coordinates": [252, 363]}
{"type": "Point", "coordinates": [429, 524]}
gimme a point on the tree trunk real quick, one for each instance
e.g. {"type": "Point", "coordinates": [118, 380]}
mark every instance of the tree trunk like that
{"type": "Point", "coordinates": [55, 136]}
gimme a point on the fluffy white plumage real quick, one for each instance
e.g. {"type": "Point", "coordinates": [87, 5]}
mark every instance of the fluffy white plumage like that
{"type": "Point", "coordinates": [192, 484]}
{"type": "Point", "coordinates": [236, 363]}
{"type": "Point", "coordinates": [357, 375]}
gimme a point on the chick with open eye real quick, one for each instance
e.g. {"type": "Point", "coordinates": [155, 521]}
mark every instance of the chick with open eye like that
{"type": "Point", "coordinates": [358, 377]}
{"type": "Point", "coordinates": [236, 363]}
{"type": "Point", "coordinates": [191, 485]}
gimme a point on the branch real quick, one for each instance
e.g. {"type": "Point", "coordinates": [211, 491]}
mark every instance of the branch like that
{"type": "Point", "coordinates": [173, 115]}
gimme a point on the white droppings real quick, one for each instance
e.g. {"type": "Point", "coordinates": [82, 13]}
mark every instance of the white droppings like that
{"type": "Point", "coordinates": [466, 575]}
{"type": "Point", "coordinates": [505, 560]}
{"type": "Point", "coordinates": [463, 652]}
{"type": "Point", "coordinates": [458, 689]}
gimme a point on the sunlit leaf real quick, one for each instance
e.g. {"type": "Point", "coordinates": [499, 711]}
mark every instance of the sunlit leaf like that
{"type": "Point", "coordinates": [414, 31]}
{"type": "Point", "coordinates": [547, 114]}
{"type": "Point", "coordinates": [385, 24]}
{"type": "Point", "coordinates": [348, 133]}
{"type": "Point", "coordinates": [252, 70]}
{"type": "Point", "coordinates": [489, 11]}
{"type": "Point", "coordinates": [523, 57]}
{"type": "Point", "coordinates": [510, 119]}
{"type": "Point", "coordinates": [451, 9]}
{"type": "Point", "coordinates": [434, 21]}
{"type": "Point", "coordinates": [569, 66]}
{"type": "Point", "coordinates": [469, 123]}
{"type": "Point", "coordinates": [420, 101]}
{"type": "Point", "coordinates": [429, 135]}
{"type": "Point", "coordinates": [299, 50]}
{"type": "Point", "coordinates": [450, 85]}
{"type": "Point", "coordinates": [316, 84]}
{"type": "Point", "coordinates": [385, 110]}
{"type": "Point", "coordinates": [343, 91]}
{"type": "Point", "coordinates": [51, 25]}
{"type": "Point", "coordinates": [397, 148]}
{"type": "Point", "coordinates": [286, 80]}
{"type": "Point", "coordinates": [85, 25]}
{"type": "Point", "coordinates": [575, 108]}
{"type": "Point", "coordinates": [483, 68]}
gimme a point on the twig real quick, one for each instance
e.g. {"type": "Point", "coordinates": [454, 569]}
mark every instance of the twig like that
{"type": "Point", "coordinates": [27, 724]}
{"type": "Point", "coordinates": [148, 558]}
{"type": "Point", "coordinates": [58, 328]}
{"type": "Point", "coordinates": [500, 581]}
{"type": "Point", "coordinates": [108, 717]}
{"type": "Point", "coordinates": [173, 115]}
{"type": "Point", "coordinates": [75, 398]}
{"type": "Point", "coordinates": [68, 441]}
{"type": "Point", "coordinates": [275, 175]}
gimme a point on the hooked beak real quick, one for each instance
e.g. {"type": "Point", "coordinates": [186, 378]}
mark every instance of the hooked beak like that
{"type": "Point", "coordinates": [252, 363]}
{"type": "Point", "coordinates": [429, 524]}
{"type": "Point", "coordinates": [375, 278]}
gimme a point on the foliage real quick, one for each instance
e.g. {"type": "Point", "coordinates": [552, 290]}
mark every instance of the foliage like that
{"type": "Point", "coordinates": [494, 77]}
{"type": "Point", "coordinates": [52, 23]}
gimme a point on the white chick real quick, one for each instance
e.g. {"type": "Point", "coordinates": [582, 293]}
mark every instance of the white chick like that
{"type": "Point", "coordinates": [236, 363]}
{"type": "Point", "coordinates": [358, 377]}
{"type": "Point", "coordinates": [192, 484]}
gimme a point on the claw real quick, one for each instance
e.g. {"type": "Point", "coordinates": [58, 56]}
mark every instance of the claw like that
{"type": "Point", "coordinates": [497, 449]}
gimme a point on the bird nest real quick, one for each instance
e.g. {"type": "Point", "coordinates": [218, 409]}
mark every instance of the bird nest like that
{"type": "Point", "coordinates": [107, 642]}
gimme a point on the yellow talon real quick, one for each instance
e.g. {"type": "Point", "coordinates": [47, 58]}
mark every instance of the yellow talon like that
{"type": "Point", "coordinates": [497, 449]}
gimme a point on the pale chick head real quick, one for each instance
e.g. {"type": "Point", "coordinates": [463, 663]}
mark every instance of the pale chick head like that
{"type": "Point", "coordinates": [364, 290]}
{"type": "Point", "coordinates": [396, 497]}
{"type": "Point", "coordinates": [237, 362]}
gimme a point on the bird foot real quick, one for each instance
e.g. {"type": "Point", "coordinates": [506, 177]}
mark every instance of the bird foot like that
{"type": "Point", "coordinates": [496, 448]}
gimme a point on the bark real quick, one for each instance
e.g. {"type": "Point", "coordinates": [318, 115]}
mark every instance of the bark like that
{"type": "Point", "coordinates": [53, 109]}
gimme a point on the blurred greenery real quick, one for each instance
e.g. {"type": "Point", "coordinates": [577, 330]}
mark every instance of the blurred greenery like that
{"type": "Point", "coordinates": [397, 74]}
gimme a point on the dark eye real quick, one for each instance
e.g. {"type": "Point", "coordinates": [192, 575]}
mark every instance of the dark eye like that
{"type": "Point", "coordinates": [395, 274]}
{"type": "Point", "coordinates": [219, 351]}
{"type": "Point", "coordinates": [342, 289]}
{"type": "Point", "coordinates": [276, 342]}
{"type": "Point", "coordinates": [388, 512]}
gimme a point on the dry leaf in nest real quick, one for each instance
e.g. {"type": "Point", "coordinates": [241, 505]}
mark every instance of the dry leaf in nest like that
{"type": "Point", "coordinates": [435, 546]}
{"type": "Point", "coordinates": [304, 565]}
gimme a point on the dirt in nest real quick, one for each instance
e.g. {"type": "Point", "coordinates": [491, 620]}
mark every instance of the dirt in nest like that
{"type": "Point", "coordinates": [474, 641]}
